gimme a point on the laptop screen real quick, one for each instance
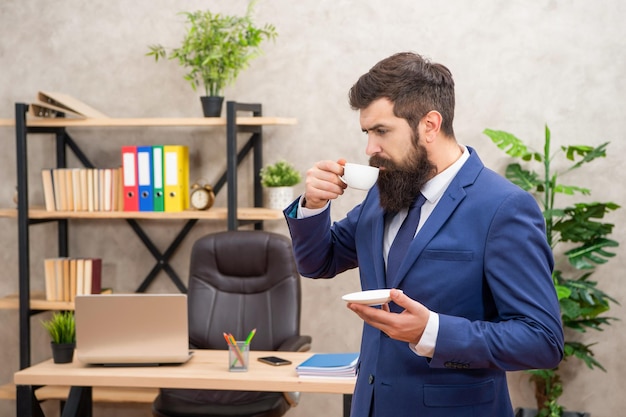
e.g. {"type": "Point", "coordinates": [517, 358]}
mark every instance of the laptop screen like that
{"type": "Point", "coordinates": [132, 329]}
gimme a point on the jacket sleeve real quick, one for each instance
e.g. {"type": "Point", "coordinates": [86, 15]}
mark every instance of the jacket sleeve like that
{"type": "Point", "coordinates": [526, 332]}
{"type": "Point", "coordinates": [322, 251]}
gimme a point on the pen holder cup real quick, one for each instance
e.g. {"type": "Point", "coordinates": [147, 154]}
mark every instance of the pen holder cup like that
{"type": "Point", "coordinates": [238, 357]}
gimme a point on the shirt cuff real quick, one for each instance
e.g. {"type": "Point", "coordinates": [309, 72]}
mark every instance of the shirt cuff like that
{"type": "Point", "coordinates": [426, 345]}
{"type": "Point", "coordinates": [304, 212]}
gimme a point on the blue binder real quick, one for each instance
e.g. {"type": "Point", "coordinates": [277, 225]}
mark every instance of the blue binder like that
{"type": "Point", "coordinates": [144, 178]}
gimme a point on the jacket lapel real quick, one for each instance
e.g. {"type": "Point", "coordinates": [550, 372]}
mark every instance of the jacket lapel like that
{"type": "Point", "coordinates": [451, 198]}
{"type": "Point", "coordinates": [378, 230]}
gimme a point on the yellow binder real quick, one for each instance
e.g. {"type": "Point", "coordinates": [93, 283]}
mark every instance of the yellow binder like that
{"type": "Point", "coordinates": [176, 175]}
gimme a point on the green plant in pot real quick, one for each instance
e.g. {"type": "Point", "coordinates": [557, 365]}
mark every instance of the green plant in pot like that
{"type": "Point", "coordinates": [215, 49]}
{"type": "Point", "coordinates": [62, 329]}
{"type": "Point", "coordinates": [279, 179]}
{"type": "Point", "coordinates": [579, 240]}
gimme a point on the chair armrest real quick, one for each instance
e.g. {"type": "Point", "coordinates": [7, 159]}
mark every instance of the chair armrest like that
{"type": "Point", "coordinates": [296, 344]}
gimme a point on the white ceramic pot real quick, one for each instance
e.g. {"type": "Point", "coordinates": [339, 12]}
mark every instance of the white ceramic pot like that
{"type": "Point", "coordinates": [278, 198]}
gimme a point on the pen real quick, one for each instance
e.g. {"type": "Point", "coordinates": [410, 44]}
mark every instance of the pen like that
{"type": "Point", "coordinates": [250, 336]}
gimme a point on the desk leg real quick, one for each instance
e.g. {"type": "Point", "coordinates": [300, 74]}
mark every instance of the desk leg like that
{"type": "Point", "coordinates": [347, 404]}
{"type": "Point", "coordinates": [79, 403]}
{"type": "Point", "coordinates": [26, 403]}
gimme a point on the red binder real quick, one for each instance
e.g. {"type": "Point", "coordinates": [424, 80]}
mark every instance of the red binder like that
{"type": "Point", "coordinates": [129, 184]}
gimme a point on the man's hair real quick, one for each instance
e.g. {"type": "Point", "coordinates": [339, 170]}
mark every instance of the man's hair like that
{"type": "Point", "coordinates": [413, 84]}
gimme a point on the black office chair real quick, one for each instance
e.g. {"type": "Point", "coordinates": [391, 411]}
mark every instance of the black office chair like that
{"type": "Point", "coordinates": [239, 281]}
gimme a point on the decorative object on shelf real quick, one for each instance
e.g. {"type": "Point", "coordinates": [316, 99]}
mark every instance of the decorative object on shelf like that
{"type": "Point", "coordinates": [62, 330]}
{"type": "Point", "coordinates": [215, 50]}
{"type": "Point", "coordinates": [279, 180]}
{"type": "Point", "coordinates": [201, 196]}
{"type": "Point", "coordinates": [578, 228]}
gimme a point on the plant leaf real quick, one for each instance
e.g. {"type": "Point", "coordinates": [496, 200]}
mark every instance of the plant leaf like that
{"type": "Point", "coordinates": [524, 179]}
{"type": "Point", "coordinates": [510, 144]}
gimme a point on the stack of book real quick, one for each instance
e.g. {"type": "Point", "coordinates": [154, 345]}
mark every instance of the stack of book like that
{"type": "Point", "coordinates": [337, 365]}
{"type": "Point", "coordinates": [65, 278]}
{"type": "Point", "coordinates": [82, 189]}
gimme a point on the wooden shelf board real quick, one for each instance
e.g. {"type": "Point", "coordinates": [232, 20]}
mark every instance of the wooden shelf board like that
{"type": "Point", "coordinates": [214, 213]}
{"type": "Point", "coordinates": [7, 392]}
{"type": "Point", "coordinates": [37, 302]}
{"type": "Point", "coordinates": [100, 394]}
{"type": "Point", "coordinates": [152, 122]}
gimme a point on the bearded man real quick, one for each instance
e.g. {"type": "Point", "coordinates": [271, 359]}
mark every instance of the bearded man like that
{"type": "Point", "coordinates": [466, 247]}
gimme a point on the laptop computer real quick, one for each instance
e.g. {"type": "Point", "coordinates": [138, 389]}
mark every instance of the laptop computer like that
{"type": "Point", "coordinates": [132, 329]}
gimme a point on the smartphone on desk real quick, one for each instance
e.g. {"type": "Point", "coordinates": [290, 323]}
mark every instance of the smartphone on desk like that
{"type": "Point", "coordinates": [274, 360]}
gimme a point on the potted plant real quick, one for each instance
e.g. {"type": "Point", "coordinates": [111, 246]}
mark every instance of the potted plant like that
{"type": "Point", "coordinates": [215, 49]}
{"type": "Point", "coordinates": [62, 330]}
{"type": "Point", "coordinates": [279, 179]}
{"type": "Point", "coordinates": [579, 241]}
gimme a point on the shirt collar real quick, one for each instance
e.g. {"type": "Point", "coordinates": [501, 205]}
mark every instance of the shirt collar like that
{"type": "Point", "coordinates": [435, 187]}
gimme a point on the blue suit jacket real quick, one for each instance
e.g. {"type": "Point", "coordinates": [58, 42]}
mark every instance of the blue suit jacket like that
{"type": "Point", "coordinates": [482, 262]}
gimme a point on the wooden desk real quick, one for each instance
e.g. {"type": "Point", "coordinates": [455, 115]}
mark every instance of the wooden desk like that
{"type": "Point", "coordinates": [207, 369]}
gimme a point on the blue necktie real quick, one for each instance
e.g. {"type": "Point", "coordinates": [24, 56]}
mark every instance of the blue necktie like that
{"type": "Point", "coordinates": [403, 239]}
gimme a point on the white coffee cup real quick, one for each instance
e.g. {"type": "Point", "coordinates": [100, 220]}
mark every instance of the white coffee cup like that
{"type": "Point", "coordinates": [361, 177]}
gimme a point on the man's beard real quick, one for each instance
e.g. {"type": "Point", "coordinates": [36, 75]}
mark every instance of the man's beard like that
{"type": "Point", "coordinates": [399, 185]}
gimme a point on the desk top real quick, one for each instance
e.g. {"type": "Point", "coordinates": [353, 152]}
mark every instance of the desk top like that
{"type": "Point", "coordinates": [207, 369]}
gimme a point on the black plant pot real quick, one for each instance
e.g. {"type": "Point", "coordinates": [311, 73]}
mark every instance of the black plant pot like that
{"type": "Point", "coordinates": [529, 412]}
{"type": "Point", "coordinates": [212, 105]}
{"type": "Point", "coordinates": [62, 352]}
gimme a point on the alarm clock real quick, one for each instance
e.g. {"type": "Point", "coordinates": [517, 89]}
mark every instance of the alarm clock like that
{"type": "Point", "coordinates": [201, 196]}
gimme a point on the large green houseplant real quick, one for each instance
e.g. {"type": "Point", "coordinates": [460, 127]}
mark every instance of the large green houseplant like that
{"type": "Point", "coordinates": [579, 241]}
{"type": "Point", "coordinates": [216, 48]}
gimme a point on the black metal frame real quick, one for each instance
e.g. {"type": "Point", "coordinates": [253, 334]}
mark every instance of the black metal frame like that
{"type": "Point", "coordinates": [25, 395]}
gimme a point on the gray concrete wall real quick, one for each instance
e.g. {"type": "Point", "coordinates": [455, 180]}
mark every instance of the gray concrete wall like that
{"type": "Point", "coordinates": [518, 65]}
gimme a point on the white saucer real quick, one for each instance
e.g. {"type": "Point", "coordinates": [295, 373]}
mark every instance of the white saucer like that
{"type": "Point", "coordinates": [370, 298]}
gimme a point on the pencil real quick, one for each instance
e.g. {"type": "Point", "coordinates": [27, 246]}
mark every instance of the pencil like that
{"type": "Point", "coordinates": [231, 341]}
{"type": "Point", "coordinates": [250, 336]}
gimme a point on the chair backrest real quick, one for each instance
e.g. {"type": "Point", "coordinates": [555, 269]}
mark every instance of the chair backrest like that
{"type": "Point", "coordinates": [239, 281]}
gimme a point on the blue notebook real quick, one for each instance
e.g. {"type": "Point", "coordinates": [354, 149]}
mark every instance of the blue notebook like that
{"type": "Point", "coordinates": [329, 364]}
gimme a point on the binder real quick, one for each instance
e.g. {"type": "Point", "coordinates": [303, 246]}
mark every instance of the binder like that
{"type": "Point", "coordinates": [158, 193]}
{"type": "Point", "coordinates": [144, 178]}
{"type": "Point", "coordinates": [129, 184]}
{"type": "Point", "coordinates": [176, 183]}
